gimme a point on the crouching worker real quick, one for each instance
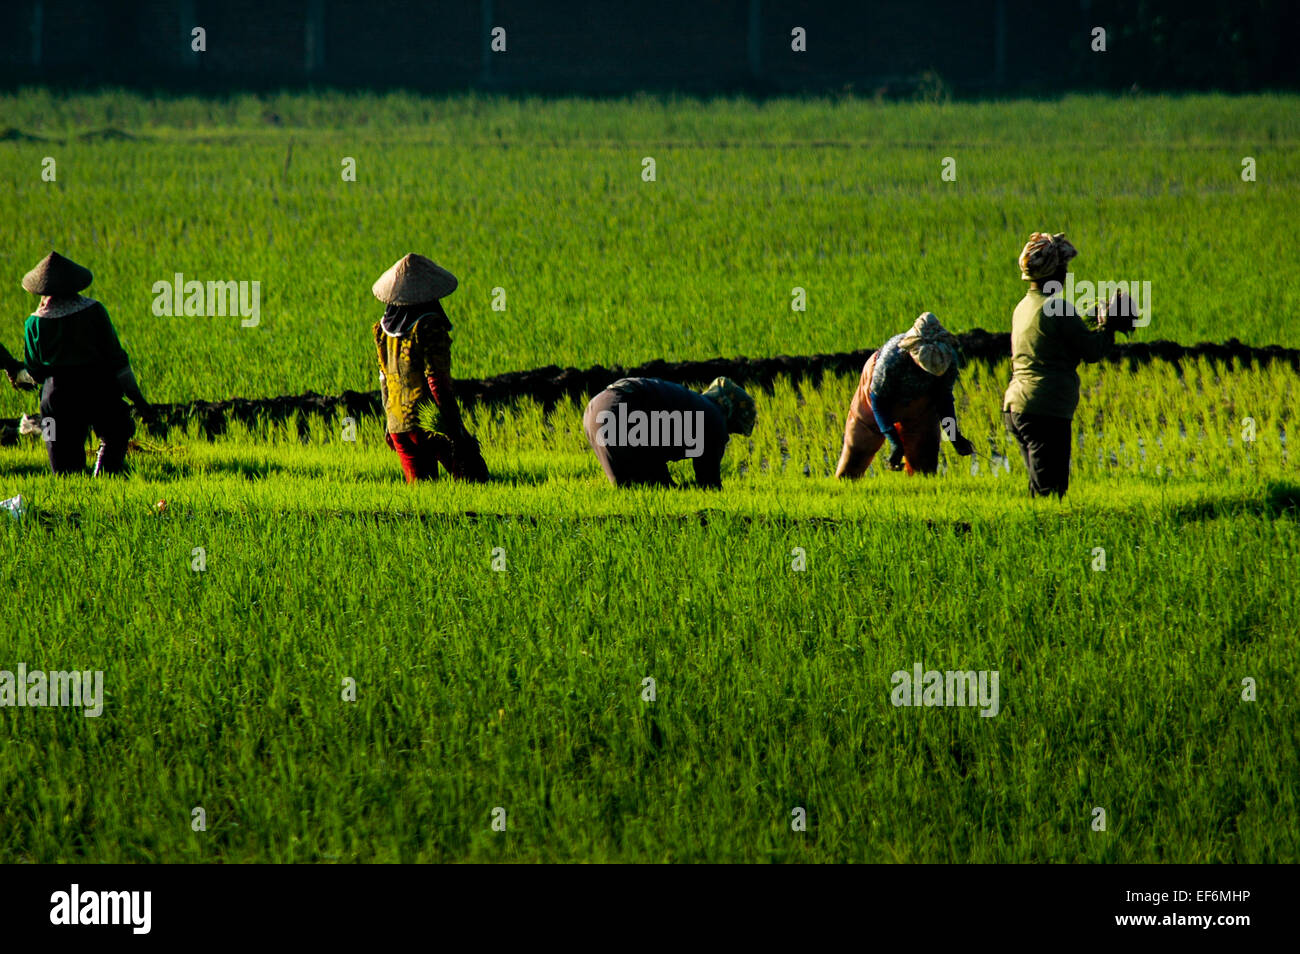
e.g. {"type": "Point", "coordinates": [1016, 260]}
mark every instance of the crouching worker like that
{"type": "Point", "coordinates": [71, 349]}
{"type": "Point", "coordinates": [1048, 340]}
{"type": "Point", "coordinates": [413, 341]}
{"type": "Point", "coordinates": [904, 398]}
{"type": "Point", "coordinates": [637, 425]}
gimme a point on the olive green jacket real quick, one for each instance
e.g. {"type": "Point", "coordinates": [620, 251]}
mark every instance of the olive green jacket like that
{"type": "Point", "coordinates": [1046, 349]}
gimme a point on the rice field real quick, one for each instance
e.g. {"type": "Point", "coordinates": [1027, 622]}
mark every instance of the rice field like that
{"type": "Point", "coordinates": [337, 667]}
{"type": "Point", "coordinates": [546, 202]}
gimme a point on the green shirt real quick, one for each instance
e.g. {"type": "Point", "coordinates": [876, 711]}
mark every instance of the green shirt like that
{"type": "Point", "coordinates": [1046, 348]}
{"type": "Point", "coordinates": [79, 342]}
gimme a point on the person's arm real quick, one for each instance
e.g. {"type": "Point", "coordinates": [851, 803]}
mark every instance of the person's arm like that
{"type": "Point", "coordinates": [437, 372]}
{"type": "Point", "coordinates": [383, 377]}
{"type": "Point", "coordinates": [1090, 342]}
{"type": "Point", "coordinates": [15, 371]}
{"type": "Point", "coordinates": [114, 355]}
{"type": "Point", "coordinates": [708, 468]}
{"type": "Point", "coordinates": [109, 347]}
{"type": "Point", "coordinates": [947, 410]}
{"type": "Point", "coordinates": [32, 362]}
{"type": "Point", "coordinates": [882, 407]}
{"type": "Point", "coordinates": [883, 394]}
{"type": "Point", "coordinates": [714, 439]}
{"type": "Point", "coordinates": [131, 388]}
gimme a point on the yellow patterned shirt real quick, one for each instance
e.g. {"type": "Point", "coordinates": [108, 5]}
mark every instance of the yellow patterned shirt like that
{"type": "Point", "coordinates": [406, 364]}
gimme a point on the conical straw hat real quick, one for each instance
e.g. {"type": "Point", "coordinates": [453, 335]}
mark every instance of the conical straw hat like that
{"type": "Point", "coordinates": [412, 280]}
{"type": "Point", "coordinates": [56, 275]}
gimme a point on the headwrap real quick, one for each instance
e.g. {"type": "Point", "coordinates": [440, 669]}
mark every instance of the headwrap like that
{"type": "Point", "coordinates": [1044, 255]}
{"type": "Point", "coordinates": [931, 345]}
{"type": "Point", "coordinates": [737, 406]}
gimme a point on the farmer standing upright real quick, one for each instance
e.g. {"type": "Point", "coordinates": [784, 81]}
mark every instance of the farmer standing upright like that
{"type": "Point", "coordinates": [72, 350]}
{"type": "Point", "coordinates": [904, 397]}
{"type": "Point", "coordinates": [1048, 340]}
{"type": "Point", "coordinates": [413, 342]}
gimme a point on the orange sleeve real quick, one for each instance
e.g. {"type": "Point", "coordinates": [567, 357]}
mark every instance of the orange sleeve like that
{"type": "Point", "coordinates": [860, 407]}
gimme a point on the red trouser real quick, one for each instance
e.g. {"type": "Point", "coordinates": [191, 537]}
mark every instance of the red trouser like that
{"type": "Point", "coordinates": [917, 422]}
{"type": "Point", "coordinates": [420, 453]}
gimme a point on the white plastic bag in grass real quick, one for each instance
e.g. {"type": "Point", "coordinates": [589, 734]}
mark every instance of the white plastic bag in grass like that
{"type": "Point", "coordinates": [13, 506]}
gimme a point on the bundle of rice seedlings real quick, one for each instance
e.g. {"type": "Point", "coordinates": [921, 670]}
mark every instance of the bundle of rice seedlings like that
{"type": "Point", "coordinates": [169, 452]}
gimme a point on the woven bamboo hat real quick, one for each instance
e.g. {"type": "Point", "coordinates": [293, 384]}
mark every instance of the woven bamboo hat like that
{"type": "Point", "coordinates": [414, 279]}
{"type": "Point", "coordinates": [56, 275]}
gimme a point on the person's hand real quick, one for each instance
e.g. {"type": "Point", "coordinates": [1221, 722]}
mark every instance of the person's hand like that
{"type": "Point", "coordinates": [962, 445]}
{"type": "Point", "coordinates": [896, 457]}
{"type": "Point", "coordinates": [21, 380]}
{"type": "Point", "coordinates": [1119, 313]}
{"type": "Point", "coordinates": [467, 459]}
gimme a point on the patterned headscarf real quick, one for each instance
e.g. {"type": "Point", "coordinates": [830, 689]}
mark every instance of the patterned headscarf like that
{"type": "Point", "coordinates": [1044, 255]}
{"type": "Point", "coordinates": [737, 406]}
{"type": "Point", "coordinates": [931, 345]}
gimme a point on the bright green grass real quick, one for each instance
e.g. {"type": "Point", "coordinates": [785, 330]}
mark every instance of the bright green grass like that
{"type": "Point", "coordinates": [545, 200]}
{"type": "Point", "coordinates": [1170, 433]}
{"type": "Point", "coordinates": [522, 689]}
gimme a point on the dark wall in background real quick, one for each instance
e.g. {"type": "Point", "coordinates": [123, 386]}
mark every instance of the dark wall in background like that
{"type": "Point", "coordinates": [895, 47]}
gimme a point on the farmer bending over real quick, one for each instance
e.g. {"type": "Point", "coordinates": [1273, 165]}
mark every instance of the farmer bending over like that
{"type": "Point", "coordinates": [637, 425]}
{"type": "Point", "coordinates": [904, 397]}
{"type": "Point", "coordinates": [71, 348]}
{"type": "Point", "coordinates": [1048, 340]}
{"type": "Point", "coordinates": [413, 341]}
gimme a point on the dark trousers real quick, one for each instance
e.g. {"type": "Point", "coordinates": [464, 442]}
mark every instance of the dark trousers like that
{"type": "Point", "coordinates": [76, 405]}
{"type": "Point", "coordinates": [624, 466]}
{"type": "Point", "coordinates": [1045, 446]}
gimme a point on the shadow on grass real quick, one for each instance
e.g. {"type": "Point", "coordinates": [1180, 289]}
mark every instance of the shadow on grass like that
{"type": "Point", "coordinates": [258, 470]}
{"type": "Point", "coordinates": [1279, 499]}
{"type": "Point", "coordinates": [27, 469]}
{"type": "Point", "coordinates": [517, 477]}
